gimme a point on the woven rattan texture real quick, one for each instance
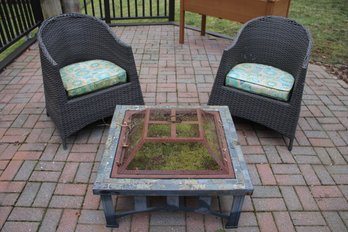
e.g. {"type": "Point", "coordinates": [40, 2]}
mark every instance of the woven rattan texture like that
{"type": "Point", "coordinates": [72, 38]}
{"type": "Point", "coordinates": [271, 40]}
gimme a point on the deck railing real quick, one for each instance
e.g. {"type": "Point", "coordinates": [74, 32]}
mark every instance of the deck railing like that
{"type": "Point", "coordinates": [116, 10]}
{"type": "Point", "coordinates": [20, 17]}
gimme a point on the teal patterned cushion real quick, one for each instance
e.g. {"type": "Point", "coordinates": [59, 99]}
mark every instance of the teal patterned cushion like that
{"type": "Point", "coordinates": [261, 79]}
{"type": "Point", "coordinates": [88, 76]}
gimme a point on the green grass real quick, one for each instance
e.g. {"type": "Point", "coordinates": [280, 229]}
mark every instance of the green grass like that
{"type": "Point", "coordinates": [328, 22]}
{"type": "Point", "coordinates": [326, 19]}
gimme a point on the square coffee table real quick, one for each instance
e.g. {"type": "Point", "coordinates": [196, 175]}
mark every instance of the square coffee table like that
{"type": "Point", "coordinates": [229, 177]}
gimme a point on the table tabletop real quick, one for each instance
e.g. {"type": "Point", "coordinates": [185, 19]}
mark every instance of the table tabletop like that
{"type": "Point", "coordinates": [104, 183]}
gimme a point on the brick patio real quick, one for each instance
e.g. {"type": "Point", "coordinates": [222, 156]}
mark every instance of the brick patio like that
{"type": "Point", "coordinates": [46, 188]}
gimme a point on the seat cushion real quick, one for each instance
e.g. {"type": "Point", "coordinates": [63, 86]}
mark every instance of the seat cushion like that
{"type": "Point", "coordinates": [88, 76]}
{"type": "Point", "coordinates": [261, 79]}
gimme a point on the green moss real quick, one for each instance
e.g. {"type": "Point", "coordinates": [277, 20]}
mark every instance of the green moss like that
{"type": "Point", "coordinates": [173, 156]}
{"type": "Point", "coordinates": [187, 130]}
{"type": "Point", "coordinates": [170, 155]}
{"type": "Point", "coordinates": [159, 130]}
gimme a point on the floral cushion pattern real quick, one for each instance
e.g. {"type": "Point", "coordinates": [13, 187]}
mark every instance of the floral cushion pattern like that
{"type": "Point", "coordinates": [88, 76]}
{"type": "Point", "coordinates": [261, 79]}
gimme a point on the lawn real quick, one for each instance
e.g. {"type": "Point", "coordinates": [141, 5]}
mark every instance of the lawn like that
{"type": "Point", "coordinates": [326, 19]}
{"type": "Point", "coordinates": [328, 23]}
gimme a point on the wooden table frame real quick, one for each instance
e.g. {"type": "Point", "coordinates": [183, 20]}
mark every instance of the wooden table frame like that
{"type": "Point", "coordinates": [235, 10]}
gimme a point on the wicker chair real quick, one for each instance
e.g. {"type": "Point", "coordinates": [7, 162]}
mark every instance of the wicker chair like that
{"type": "Point", "coordinates": [72, 38]}
{"type": "Point", "coordinates": [270, 40]}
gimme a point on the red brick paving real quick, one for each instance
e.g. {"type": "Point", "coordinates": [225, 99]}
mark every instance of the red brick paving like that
{"type": "Point", "coordinates": [283, 222]}
{"type": "Point", "coordinates": [266, 175]}
{"type": "Point", "coordinates": [68, 220]}
{"type": "Point", "coordinates": [266, 222]}
{"type": "Point", "coordinates": [140, 222]}
{"type": "Point", "coordinates": [46, 188]}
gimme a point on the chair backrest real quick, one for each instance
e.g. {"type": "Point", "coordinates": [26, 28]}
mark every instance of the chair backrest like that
{"type": "Point", "coordinates": [277, 41]}
{"type": "Point", "coordinates": [72, 37]}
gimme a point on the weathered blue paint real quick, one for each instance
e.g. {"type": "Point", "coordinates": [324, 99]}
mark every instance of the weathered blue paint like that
{"type": "Point", "coordinates": [238, 187]}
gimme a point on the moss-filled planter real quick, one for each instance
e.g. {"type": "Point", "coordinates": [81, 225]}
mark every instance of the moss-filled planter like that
{"type": "Point", "coordinates": [173, 156]}
{"type": "Point", "coordinates": [173, 142]}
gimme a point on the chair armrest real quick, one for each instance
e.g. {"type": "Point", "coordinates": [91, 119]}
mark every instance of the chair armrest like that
{"type": "Point", "coordinates": [106, 45]}
{"type": "Point", "coordinates": [54, 88]}
{"type": "Point", "coordinates": [231, 57]}
{"type": "Point", "coordinates": [300, 78]}
{"type": "Point", "coordinates": [121, 54]}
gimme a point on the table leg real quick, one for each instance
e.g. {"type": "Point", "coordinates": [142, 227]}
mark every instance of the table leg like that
{"type": "Point", "coordinates": [140, 203]}
{"type": "Point", "coordinates": [182, 23]}
{"type": "Point", "coordinates": [109, 211]}
{"type": "Point", "coordinates": [173, 201]}
{"type": "Point", "coordinates": [235, 212]}
{"type": "Point", "coordinates": [203, 24]}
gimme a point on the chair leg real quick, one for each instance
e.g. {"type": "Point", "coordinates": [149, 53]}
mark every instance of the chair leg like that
{"type": "Point", "coordinates": [291, 142]}
{"type": "Point", "coordinates": [64, 143]}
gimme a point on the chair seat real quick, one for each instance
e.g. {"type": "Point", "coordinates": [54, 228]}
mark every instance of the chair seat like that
{"type": "Point", "coordinates": [88, 76]}
{"type": "Point", "coordinates": [261, 79]}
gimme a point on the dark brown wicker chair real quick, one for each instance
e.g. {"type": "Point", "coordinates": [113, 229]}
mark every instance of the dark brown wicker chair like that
{"type": "Point", "coordinates": [73, 38]}
{"type": "Point", "coordinates": [275, 41]}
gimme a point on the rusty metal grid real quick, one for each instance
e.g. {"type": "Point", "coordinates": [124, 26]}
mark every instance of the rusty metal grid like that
{"type": "Point", "coordinates": [121, 163]}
